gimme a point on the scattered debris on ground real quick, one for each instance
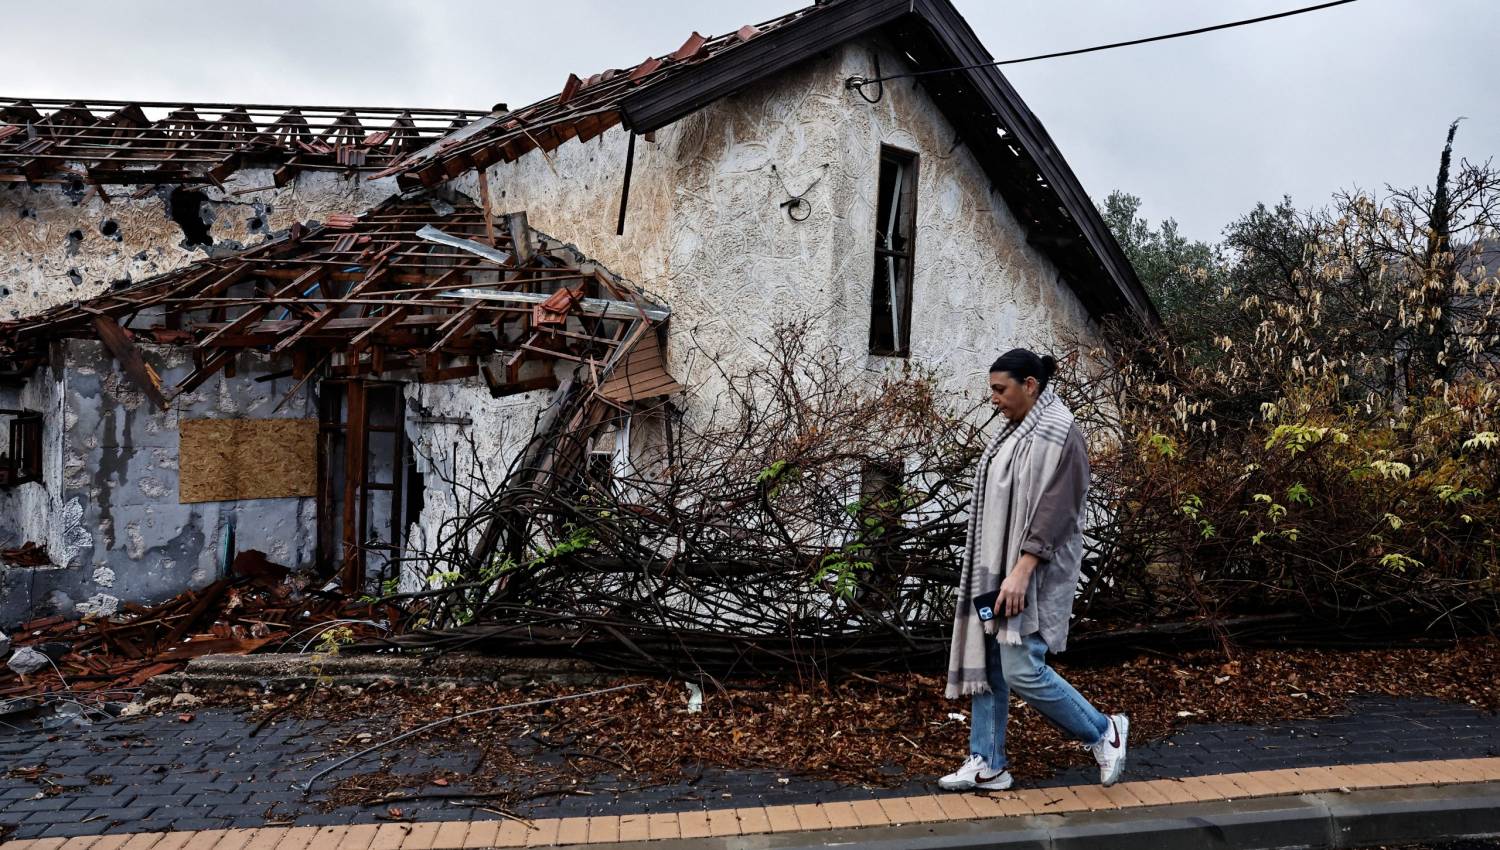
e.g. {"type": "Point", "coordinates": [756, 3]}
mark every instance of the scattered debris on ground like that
{"type": "Point", "coordinates": [26, 555]}
{"type": "Point", "coordinates": [879, 730]}
{"type": "Point", "coordinates": [99, 660]}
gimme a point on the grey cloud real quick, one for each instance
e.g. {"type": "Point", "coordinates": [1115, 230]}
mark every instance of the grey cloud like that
{"type": "Point", "coordinates": [1201, 128]}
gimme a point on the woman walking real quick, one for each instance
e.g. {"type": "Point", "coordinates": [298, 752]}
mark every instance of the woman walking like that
{"type": "Point", "coordinates": [1025, 540]}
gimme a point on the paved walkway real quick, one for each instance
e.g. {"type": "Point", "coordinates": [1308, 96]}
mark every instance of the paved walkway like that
{"type": "Point", "coordinates": [811, 819]}
{"type": "Point", "coordinates": [211, 777]}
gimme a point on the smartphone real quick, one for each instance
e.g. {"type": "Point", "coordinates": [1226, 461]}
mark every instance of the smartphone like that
{"type": "Point", "coordinates": [984, 604]}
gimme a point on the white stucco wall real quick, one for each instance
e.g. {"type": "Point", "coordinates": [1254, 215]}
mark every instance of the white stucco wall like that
{"type": "Point", "coordinates": [706, 234]}
{"type": "Point", "coordinates": [705, 231]}
{"type": "Point", "coordinates": [461, 460]}
{"type": "Point", "coordinates": [54, 248]}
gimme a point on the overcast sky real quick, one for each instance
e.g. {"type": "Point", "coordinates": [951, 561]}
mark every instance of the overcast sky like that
{"type": "Point", "coordinates": [1201, 127]}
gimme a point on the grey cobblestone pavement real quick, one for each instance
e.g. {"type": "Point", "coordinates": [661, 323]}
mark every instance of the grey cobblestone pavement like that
{"type": "Point", "coordinates": [157, 773]}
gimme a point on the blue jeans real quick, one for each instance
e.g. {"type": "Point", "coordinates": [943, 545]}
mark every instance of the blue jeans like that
{"type": "Point", "coordinates": [1024, 669]}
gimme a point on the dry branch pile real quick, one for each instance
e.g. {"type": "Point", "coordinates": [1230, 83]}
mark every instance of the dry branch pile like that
{"type": "Point", "coordinates": [813, 518]}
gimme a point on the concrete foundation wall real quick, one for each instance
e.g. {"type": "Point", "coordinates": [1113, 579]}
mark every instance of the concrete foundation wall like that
{"type": "Point", "coordinates": [108, 510]}
{"type": "Point", "coordinates": [59, 244]}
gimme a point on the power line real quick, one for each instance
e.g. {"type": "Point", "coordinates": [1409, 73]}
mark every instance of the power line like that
{"type": "Point", "coordinates": [856, 81]}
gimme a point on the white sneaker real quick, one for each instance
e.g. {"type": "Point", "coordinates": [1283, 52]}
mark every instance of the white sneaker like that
{"type": "Point", "coordinates": [976, 773]}
{"type": "Point", "coordinates": [1110, 751]}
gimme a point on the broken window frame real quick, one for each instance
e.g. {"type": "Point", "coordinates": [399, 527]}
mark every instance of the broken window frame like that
{"type": "Point", "coordinates": [891, 284]}
{"type": "Point", "coordinates": [609, 454]}
{"type": "Point", "coordinates": [344, 454]}
{"type": "Point", "coordinates": [22, 464]}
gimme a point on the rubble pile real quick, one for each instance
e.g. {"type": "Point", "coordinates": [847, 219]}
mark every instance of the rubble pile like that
{"type": "Point", "coordinates": [259, 605]}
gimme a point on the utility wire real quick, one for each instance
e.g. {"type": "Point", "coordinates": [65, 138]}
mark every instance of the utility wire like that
{"type": "Point", "coordinates": [855, 82]}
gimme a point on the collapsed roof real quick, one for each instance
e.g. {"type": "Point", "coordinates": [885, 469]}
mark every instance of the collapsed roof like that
{"type": "Point", "coordinates": [1019, 157]}
{"type": "Point", "coordinates": [413, 286]}
{"type": "Point", "coordinates": [119, 142]}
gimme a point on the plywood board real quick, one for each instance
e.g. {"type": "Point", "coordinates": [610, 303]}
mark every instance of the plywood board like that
{"type": "Point", "coordinates": [225, 459]}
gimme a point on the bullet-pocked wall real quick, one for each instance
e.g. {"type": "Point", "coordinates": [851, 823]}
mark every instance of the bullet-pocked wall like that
{"type": "Point", "coordinates": [108, 508]}
{"type": "Point", "coordinates": [61, 243]}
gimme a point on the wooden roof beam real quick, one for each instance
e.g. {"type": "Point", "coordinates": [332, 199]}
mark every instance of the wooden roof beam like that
{"type": "Point", "coordinates": [118, 341]}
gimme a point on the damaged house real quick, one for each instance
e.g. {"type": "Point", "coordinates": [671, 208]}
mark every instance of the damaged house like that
{"type": "Point", "coordinates": [299, 330]}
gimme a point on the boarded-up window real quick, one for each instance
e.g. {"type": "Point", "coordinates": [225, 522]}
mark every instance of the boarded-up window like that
{"type": "Point", "coordinates": [895, 235]}
{"type": "Point", "coordinates": [225, 459]}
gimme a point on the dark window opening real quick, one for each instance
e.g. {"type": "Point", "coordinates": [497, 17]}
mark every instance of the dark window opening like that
{"type": "Point", "coordinates": [880, 519]}
{"type": "Point", "coordinates": [607, 457]}
{"type": "Point", "coordinates": [368, 486]}
{"type": "Point", "coordinates": [599, 470]}
{"type": "Point", "coordinates": [895, 236]}
{"type": "Point", "coordinates": [22, 462]}
{"type": "Point", "coordinates": [187, 210]}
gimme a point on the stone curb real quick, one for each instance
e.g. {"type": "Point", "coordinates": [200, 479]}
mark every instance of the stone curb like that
{"type": "Point", "coordinates": [283, 671]}
{"type": "Point", "coordinates": [1334, 820]}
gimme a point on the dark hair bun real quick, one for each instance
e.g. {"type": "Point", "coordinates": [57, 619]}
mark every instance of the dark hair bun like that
{"type": "Point", "coordinates": [1021, 364]}
{"type": "Point", "coordinates": [1049, 367]}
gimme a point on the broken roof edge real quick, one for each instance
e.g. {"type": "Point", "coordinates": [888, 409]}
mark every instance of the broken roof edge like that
{"type": "Point", "coordinates": [115, 142]}
{"type": "Point", "coordinates": [314, 227]}
{"type": "Point", "coordinates": [583, 109]}
{"type": "Point", "coordinates": [778, 50]}
{"type": "Point", "coordinates": [377, 313]}
{"type": "Point", "coordinates": [1060, 218]}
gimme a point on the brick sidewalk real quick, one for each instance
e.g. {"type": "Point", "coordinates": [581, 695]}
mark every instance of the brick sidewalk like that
{"type": "Point", "coordinates": [803, 818]}
{"type": "Point", "coordinates": [156, 774]}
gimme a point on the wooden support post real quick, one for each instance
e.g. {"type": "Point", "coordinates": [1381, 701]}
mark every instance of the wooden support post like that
{"type": "Point", "coordinates": [484, 198]}
{"type": "Point", "coordinates": [351, 575]}
{"type": "Point", "coordinates": [520, 237]}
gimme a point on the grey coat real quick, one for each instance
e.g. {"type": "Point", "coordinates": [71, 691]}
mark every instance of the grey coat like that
{"type": "Point", "coordinates": [1056, 538]}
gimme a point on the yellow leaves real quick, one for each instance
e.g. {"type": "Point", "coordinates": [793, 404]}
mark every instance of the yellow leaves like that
{"type": "Point", "coordinates": [1482, 440]}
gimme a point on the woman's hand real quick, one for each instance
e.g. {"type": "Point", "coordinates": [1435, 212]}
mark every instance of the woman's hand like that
{"type": "Point", "coordinates": [1012, 600]}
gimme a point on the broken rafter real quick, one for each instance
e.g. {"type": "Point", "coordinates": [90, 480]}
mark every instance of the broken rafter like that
{"type": "Point", "coordinates": [366, 296]}
{"type": "Point", "coordinates": [117, 143]}
{"type": "Point", "coordinates": [118, 341]}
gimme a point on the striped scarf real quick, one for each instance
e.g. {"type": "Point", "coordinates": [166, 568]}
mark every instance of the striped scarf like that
{"type": "Point", "coordinates": [1027, 454]}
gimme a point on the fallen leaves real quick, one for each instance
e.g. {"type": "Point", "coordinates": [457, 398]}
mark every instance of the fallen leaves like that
{"type": "Point", "coordinates": [872, 730]}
